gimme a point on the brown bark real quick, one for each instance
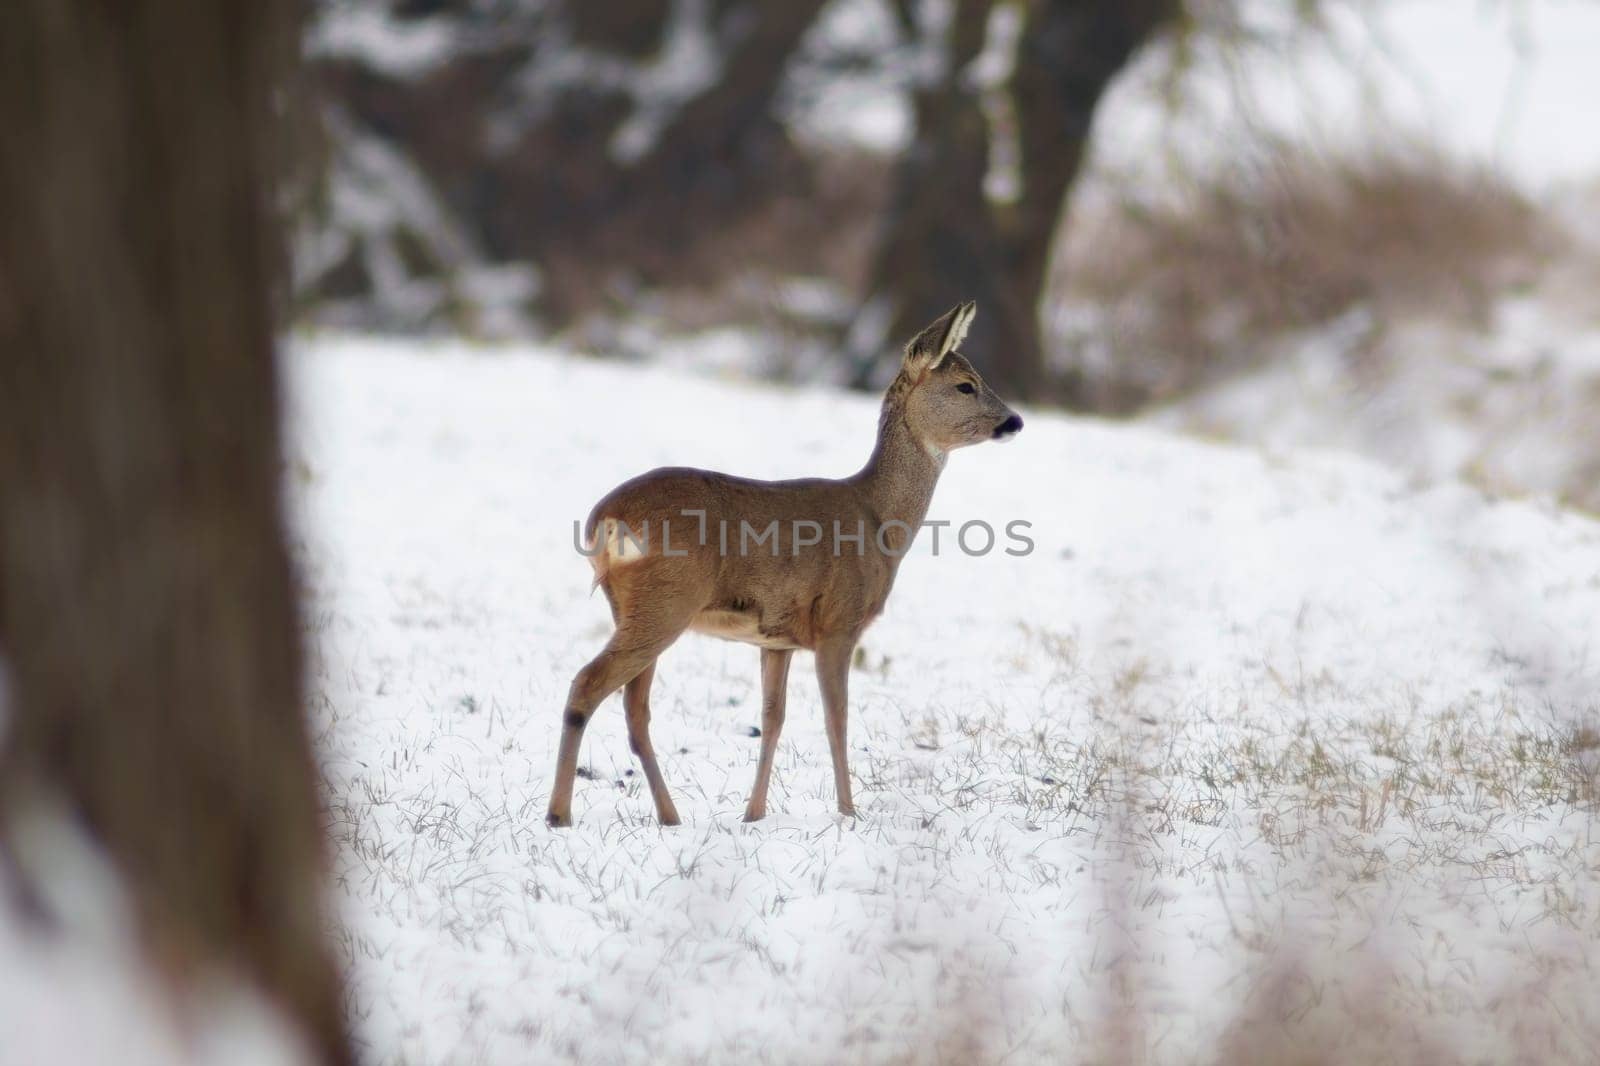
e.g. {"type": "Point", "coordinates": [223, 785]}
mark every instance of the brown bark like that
{"type": "Point", "coordinates": [145, 588]}
{"type": "Point", "coordinates": [945, 241]}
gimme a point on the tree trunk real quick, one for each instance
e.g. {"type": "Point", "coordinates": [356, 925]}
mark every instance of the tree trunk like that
{"type": "Point", "coordinates": [723, 154]}
{"type": "Point", "coordinates": [147, 604]}
{"type": "Point", "coordinates": [939, 242]}
{"type": "Point", "coordinates": [719, 151]}
{"type": "Point", "coordinates": [946, 241]}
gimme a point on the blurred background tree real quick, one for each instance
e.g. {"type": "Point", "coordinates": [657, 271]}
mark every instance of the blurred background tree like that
{"type": "Point", "coordinates": [616, 147]}
{"type": "Point", "coordinates": [951, 228]}
{"type": "Point", "coordinates": [147, 601]}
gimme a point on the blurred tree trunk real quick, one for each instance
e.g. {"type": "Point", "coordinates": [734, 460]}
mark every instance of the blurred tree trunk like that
{"type": "Point", "coordinates": [720, 151]}
{"type": "Point", "coordinates": [146, 592]}
{"type": "Point", "coordinates": [946, 240]}
{"type": "Point", "coordinates": [722, 154]}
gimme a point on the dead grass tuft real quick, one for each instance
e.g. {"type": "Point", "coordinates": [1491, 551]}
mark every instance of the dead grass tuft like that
{"type": "Point", "coordinates": [1188, 289]}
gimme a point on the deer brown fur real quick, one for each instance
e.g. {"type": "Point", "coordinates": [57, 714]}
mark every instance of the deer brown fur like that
{"type": "Point", "coordinates": [682, 549]}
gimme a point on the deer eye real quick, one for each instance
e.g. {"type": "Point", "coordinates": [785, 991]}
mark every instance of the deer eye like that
{"type": "Point", "coordinates": [966, 387]}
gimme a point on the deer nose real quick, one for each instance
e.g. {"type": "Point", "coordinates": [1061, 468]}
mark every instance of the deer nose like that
{"type": "Point", "coordinates": [1009, 428]}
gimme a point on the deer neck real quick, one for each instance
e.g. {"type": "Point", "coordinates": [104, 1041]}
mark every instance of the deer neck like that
{"type": "Point", "coordinates": [899, 479]}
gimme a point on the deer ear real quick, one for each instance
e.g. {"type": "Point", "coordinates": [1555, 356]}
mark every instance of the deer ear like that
{"type": "Point", "coordinates": [928, 348]}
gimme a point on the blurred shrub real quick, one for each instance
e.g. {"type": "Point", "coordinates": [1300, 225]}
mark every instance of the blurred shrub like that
{"type": "Point", "coordinates": [1155, 298]}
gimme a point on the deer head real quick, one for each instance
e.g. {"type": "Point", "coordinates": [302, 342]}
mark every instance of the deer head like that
{"type": "Point", "coordinates": [943, 400]}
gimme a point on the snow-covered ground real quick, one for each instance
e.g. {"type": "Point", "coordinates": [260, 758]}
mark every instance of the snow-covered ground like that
{"type": "Point", "coordinates": [1247, 746]}
{"type": "Point", "coordinates": [1510, 406]}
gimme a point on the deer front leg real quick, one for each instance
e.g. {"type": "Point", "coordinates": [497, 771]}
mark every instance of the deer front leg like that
{"type": "Point", "coordinates": [833, 675]}
{"type": "Point", "coordinates": [774, 681]}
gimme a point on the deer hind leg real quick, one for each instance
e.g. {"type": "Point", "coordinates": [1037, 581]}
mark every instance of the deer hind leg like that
{"type": "Point", "coordinates": [774, 681]}
{"type": "Point", "coordinates": [631, 649]}
{"type": "Point", "coordinates": [833, 674]}
{"type": "Point", "coordinates": [636, 701]}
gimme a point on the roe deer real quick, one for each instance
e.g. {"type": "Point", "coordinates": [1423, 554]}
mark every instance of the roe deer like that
{"type": "Point", "coordinates": [664, 572]}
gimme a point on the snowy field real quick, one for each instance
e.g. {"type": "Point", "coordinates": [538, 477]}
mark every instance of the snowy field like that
{"type": "Point", "coordinates": [1247, 749]}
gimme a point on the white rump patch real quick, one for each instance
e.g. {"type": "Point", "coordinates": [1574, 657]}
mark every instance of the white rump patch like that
{"type": "Point", "coordinates": [623, 545]}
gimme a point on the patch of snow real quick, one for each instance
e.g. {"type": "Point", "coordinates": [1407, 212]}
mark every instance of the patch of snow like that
{"type": "Point", "coordinates": [500, 295]}
{"type": "Point", "coordinates": [856, 111]}
{"type": "Point", "coordinates": [861, 104]}
{"type": "Point", "coordinates": [688, 64]}
{"type": "Point", "coordinates": [402, 48]}
{"type": "Point", "coordinates": [814, 298]}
